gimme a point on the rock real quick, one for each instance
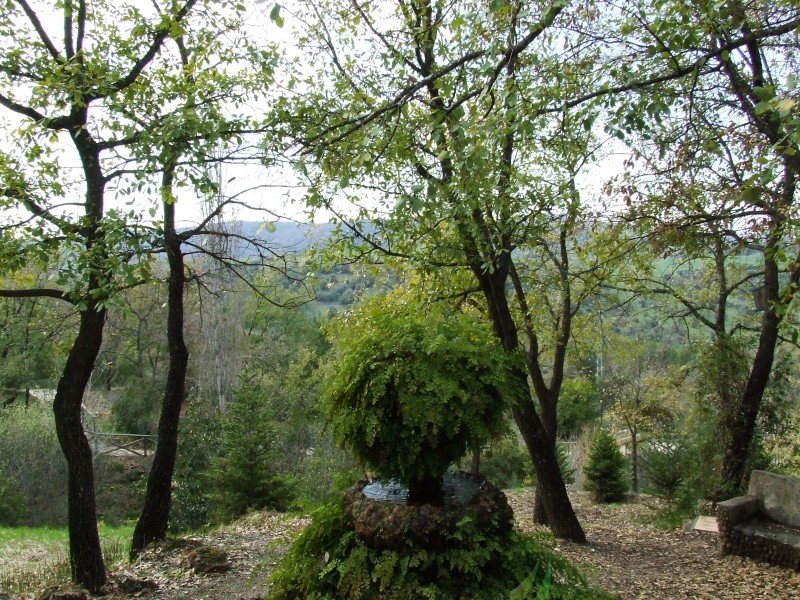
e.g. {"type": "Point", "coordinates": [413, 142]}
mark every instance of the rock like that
{"type": "Point", "coordinates": [209, 559]}
{"type": "Point", "coordinates": [778, 496]}
{"type": "Point", "coordinates": [134, 585]}
{"type": "Point", "coordinates": [384, 524]}
{"type": "Point", "coordinates": [63, 592]}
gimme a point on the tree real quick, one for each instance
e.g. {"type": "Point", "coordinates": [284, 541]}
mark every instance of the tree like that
{"type": "Point", "coordinates": [84, 91]}
{"type": "Point", "coordinates": [30, 330]}
{"type": "Point", "coordinates": [244, 476]}
{"type": "Point", "coordinates": [461, 193]}
{"type": "Point", "coordinates": [640, 393]}
{"type": "Point", "coordinates": [605, 469]}
{"type": "Point", "coordinates": [726, 195]}
{"type": "Point", "coordinates": [181, 147]}
{"type": "Point", "coordinates": [485, 72]}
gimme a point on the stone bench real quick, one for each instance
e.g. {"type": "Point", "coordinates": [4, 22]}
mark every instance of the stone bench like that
{"type": "Point", "coordinates": [764, 524]}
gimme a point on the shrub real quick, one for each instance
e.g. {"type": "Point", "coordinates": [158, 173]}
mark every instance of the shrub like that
{"type": "Point", "coordinates": [12, 504]}
{"type": "Point", "coordinates": [681, 467]}
{"type": "Point", "coordinates": [606, 470]}
{"type": "Point", "coordinates": [505, 462]}
{"type": "Point", "coordinates": [412, 389]}
{"type": "Point", "coordinates": [330, 561]}
{"type": "Point", "coordinates": [198, 445]}
{"type": "Point", "coordinates": [31, 456]}
{"type": "Point", "coordinates": [667, 465]}
{"type": "Point", "coordinates": [136, 407]}
{"type": "Point", "coordinates": [322, 472]}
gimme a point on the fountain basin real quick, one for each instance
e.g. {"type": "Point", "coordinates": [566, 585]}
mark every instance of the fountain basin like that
{"type": "Point", "coordinates": [380, 514]}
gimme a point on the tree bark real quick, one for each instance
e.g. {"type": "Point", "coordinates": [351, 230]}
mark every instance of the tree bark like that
{"type": "Point", "coordinates": [86, 557]}
{"type": "Point", "coordinates": [475, 466]}
{"type": "Point", "coordinates": [550, 424]}
{"type": "Point", "coordinates": [551, 488]}
{"type": "Point", "coordinates": [634, 462]}
{"type": "Point", "coordinates": [742, 428]}
{"type": "Point", "coordinates": [153, 522]}
{"type": "Point", "coordinates": [539, 510]}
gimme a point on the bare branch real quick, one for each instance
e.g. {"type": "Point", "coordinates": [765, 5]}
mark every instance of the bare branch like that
{"type": "Point", "coordinates": [37, 25]}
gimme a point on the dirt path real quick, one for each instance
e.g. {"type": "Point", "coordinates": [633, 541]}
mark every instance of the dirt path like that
{"type": "Point", "coordinates": [634, 560]}
{"type": "Point", "coordinates": [624, 556]}
{"type": "Point", "coordinates": [253, 545]}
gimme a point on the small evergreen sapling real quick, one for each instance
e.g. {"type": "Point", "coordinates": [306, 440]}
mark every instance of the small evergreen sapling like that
{"type": "Point", "coordinates": [606, 471]}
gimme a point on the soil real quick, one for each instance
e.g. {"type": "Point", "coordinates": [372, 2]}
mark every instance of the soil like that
{"type": "Point", "coordinates": [625, 555]}
{"type": "Point", "coordinates": [254, 545]}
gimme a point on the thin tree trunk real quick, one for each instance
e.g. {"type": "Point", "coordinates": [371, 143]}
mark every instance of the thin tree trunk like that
{"type": "Point", "coordinates": [634, 462]}
{"type": "Point", "coordinates": [86, 557]}
{"type": "Point", "coordinates": [475, 467]}
{"type": "Point", "coordinates": [740, 438]}
{"type": "Point", "coordinates": [553, 492]}
{"type": "Point", "coordinates": [153, 521]}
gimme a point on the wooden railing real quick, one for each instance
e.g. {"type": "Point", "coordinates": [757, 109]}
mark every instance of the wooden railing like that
{"type": "Point", "coordinates": [115, 444]}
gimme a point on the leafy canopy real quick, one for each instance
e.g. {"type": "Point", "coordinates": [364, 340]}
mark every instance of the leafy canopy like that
{"type": "Point", "coordinates": [412, 387]}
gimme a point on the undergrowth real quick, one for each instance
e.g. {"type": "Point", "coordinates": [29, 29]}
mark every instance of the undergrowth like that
{"type": "Point", "coordinates": [26, 576]}
{"type": "Point", "coordinates": [329, 561]}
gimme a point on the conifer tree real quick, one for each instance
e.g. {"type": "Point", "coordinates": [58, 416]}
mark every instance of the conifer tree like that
{"type": "Point", "coordinates": [606, 470]}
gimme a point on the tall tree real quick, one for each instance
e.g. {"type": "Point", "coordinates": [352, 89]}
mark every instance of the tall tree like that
{"type": "Point", "coordinates": [726, 171]}
{"type": "Point", "coordinates": [181, 147]}
{"type": "Point", "coordinates": [468, 98]}
{"type": "Point", "coordinates": [77, 93]}
{"type": "Point", "coordinates": [455, 165]}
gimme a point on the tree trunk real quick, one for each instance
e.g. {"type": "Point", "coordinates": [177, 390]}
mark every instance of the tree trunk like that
{"type": "Point", "coordinates": [740, 436]}
{"type": "Point", "coordinates": [560, 514]}
{"type": "Point", "coordinates": [539, 511]}
{"type": "Point", "coordinates": [475, 467]}
{"type": "Point", "coordinates": [550, 488]}
{"type": "Point", "coordinates": [634, 462]}
{"type": "Point", "coordinates": [153, 521]}
{"type": "Point", "coordinates": [86, 557]}
{"type": "Point", "coordinates": [428, 490]}
{"type": "Point", "coordinates": [550, 424]}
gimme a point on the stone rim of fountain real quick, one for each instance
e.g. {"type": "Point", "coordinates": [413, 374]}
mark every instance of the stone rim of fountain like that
{"type": "Point", "coordinates": [389, 523]}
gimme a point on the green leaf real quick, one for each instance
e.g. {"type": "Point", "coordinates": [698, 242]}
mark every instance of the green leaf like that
{"type": "Point", "coordinates": [750, 195]}
{"type": "Point", "coordinates": [523, 589]}
{"type": "Point", "coordinates": [275, 15]}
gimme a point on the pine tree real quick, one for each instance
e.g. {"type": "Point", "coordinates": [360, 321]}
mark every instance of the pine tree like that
{"type": "Point", "coordinates": [243, 477]}
{"type": "Point", "coordinates": [606, 471]}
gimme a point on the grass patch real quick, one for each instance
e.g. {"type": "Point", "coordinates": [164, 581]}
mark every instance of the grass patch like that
{"type": "Point", "coordinates": [32, 557]}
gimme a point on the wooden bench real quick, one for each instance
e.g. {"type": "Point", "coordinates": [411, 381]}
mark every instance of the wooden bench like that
{"type": "Point", "coordinates": [764, 524]}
